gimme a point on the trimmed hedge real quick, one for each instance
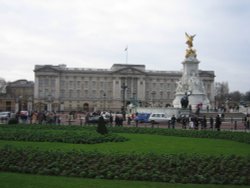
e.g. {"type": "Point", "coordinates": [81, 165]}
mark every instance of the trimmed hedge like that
{"type": "Point", "coordinates": [243, 137]}
{"type": "Point", "coordinates": [180, 168]}
{"type": "Point", "coordinates": [66, 136]}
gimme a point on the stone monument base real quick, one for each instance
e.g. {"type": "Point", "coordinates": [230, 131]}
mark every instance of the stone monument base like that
{"type": "Point", "coordinates": [195, 100]}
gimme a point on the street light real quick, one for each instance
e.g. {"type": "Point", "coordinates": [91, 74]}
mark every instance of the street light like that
{"type": "Point", "coordinates": [104, 101]}
{"type": "Point", "coordinates": [20, 103]}
{"type": "Point", "coordinates": [49, 100]}
{"type": "Point", "coordinates": [30, 105]}
{"type": "Point", "coordinates": [124, 87]}
{"type": "Point", "coordinates": [134, 100]}
{"type": "Point", "coordinates": [153, 97]}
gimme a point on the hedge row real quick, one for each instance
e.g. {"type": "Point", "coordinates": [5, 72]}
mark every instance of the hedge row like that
{"type": "Point", "coordinates": [66, 136]}
{"type": "Point", "coordinates": [227, 135]}
{"type": "Point", "coordinates": [243, 137]}
{"type": "Point", "coordinates": [149, 167]}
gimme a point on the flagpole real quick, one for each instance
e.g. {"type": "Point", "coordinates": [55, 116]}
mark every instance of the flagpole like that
{"type": "Point", "coordinates": [126, 51]}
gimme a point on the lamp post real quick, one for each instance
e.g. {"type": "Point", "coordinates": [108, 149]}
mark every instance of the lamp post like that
{"type": "Point", "coordinates": [124, 87]}
{"type": "Point", "coordinates": [30, 105]}
{"type": "Point", "coordinates": [153, 98]}
{"type": "Point", "coordinates": [17, 104]}
{"type": "Point", "coordinates": [20, 103]}
{"type": "Point", "coordinates": [49, 105]}
{"type": "Point", "coordinates": [135, 102]}
{"type": "Point", "coordinates": [104, 101]}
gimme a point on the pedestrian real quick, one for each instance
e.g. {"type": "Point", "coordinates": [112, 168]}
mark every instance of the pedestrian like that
{"type": "Point", "coordinates": [248, 122]}
{"type": "Point", "coordinates": [184, 122]}
{"type": "Point", "coordinates": [129, 120]}
{"type": "Point", "coordinates": [173, 121]}
{"type": "Point", "coordinates": [204, 122]}
{"type": "Point", "coordinates": [111, 119]}
{"type": "Point", "coordinates": [191, 124]}
{"type": "Point", "coordinates": [87, 118]}
{"type": "Point", "coordinates": [196, 123]}
{"type": "Point", "coordinates": [218, 122]}
{"type": "Point", "coordinates": [101, 126]}
{"type": "Point", "coordinates": [211, 120]}
{"type": "Point", "coordinates": [235, 125]}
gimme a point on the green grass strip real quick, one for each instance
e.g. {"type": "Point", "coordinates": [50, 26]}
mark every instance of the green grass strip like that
{"type": "Point", "coordinates": [243, 137]}
{"type": "Point", "coordinates": [15, 180]}
{"type": "Point", "coordinates": [143, 143]}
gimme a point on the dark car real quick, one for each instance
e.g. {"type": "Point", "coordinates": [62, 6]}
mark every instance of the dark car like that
{"type": "Point", "coordinates": [142, 117]}
{"type": "Point", "coordinates": [93, 119]}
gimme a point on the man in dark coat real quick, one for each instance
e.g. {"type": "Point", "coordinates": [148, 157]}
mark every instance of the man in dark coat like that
{"type": "Point", "coordinates": [101, 126]}
{"type": "Point", "coordinates": [218, 122]}
{"type": "Point", "coordinates": [211, 123]}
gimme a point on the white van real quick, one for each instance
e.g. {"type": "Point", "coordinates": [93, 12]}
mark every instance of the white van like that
{"type": "Point", "coordinates": [156, 118]}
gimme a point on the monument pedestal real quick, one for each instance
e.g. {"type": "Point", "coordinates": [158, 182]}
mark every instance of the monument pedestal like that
{"type": "Point", "coordinates": [192, 84]}
{"type": "Point", "coordinates": [195, 100]}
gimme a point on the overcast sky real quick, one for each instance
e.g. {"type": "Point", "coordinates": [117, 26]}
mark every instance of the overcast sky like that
{"type": "Point", "coordinates": [94, 34]}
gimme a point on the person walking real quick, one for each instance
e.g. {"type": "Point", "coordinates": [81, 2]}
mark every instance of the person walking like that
{"type": "Point", "coordinates": [173, 121]}
{"type": "Point", "coordinates": [204, 122]}
{"type": "Point", "coordinates": [211, 120]}
{"type": "Point", "coordinates": [218, 122]}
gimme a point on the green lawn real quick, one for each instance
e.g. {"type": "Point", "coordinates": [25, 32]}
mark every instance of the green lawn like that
{"type": "Point", "coordinates": [143, 143]}
{"type": "Point", "coordinates": [14, 180]}
{"type": "Point", "coordinates": [137, 143]}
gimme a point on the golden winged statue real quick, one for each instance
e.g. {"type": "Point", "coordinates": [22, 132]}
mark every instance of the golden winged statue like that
{"type": "Point", "coordinates": [190, 52]}
{"type": "Point", "coordinates": [190, 39]}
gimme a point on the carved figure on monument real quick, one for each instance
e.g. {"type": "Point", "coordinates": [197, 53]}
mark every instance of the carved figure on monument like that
{"type": "Point", "coordinates": [196, 85]}
{"type": "Point", "coordinates": [179, 87]}
{"type": "Point", "coordinates": [185, 101]}
{"type": "Point", "coordinates": [190, 53]}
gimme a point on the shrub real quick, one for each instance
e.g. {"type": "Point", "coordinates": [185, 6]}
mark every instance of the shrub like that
{"type": "Point", "coordinates": [66, 136]}
{"type": "Point", "coordinates": [13, 121]}
{"type": "Point", "coordinates": [134, 167]}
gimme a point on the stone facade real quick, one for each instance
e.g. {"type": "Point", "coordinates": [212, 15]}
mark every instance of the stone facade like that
{"type": "Point", "coordinates": [18, 95]}
{"type": "Point", "coordinates": [60, 88]}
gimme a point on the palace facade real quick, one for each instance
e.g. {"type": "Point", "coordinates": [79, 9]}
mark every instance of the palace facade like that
{"type": "Point", "coordinates": [59, 88]}
{"type": "Point", "coordinates": [17, 95]}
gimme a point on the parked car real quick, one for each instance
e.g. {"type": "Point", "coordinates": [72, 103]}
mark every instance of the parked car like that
{"type": "Point", "coordinates": [93, 119]}
{"type": "Point", "coordinates": [142, 117]}
{"type": "Point", "coordinates": [157, 118]}
{"type": "Point", "coordinates": [4, 115]}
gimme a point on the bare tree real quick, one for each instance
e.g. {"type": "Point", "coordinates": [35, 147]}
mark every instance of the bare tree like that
{"type": "Point", "coordinates": [221, 95]}
{"type": "Point", "coordinates": [246, 97]}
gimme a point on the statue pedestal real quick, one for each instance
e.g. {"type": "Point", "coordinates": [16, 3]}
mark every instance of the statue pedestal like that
{"type": "Point", "coordinates": [190, 82]}
{"type": "Point", "coordinates": [194, 101]}
{"type": "Point", "coordinates": [184, 112]}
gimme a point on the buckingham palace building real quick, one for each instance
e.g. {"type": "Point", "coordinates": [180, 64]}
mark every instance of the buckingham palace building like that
{"type": "Point", "coordinates": [60, 88]}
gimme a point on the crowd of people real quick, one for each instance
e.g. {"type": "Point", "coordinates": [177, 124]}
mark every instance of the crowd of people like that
{"type": "Point", "coordinates": [38, 117]}
{"type": "Point", "coordinates": [195, 122]}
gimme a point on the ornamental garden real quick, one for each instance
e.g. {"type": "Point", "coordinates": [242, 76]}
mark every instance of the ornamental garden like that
{"type": "Point", "coordinates": [135, 157]}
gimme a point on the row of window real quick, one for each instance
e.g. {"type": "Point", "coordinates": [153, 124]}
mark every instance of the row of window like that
{"type": "Point", "coordinates": [101, 94]}
{"type": "Point", "coordinates": [85, 84]}
{"type": "Point", "coordinates": [73, 84]}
